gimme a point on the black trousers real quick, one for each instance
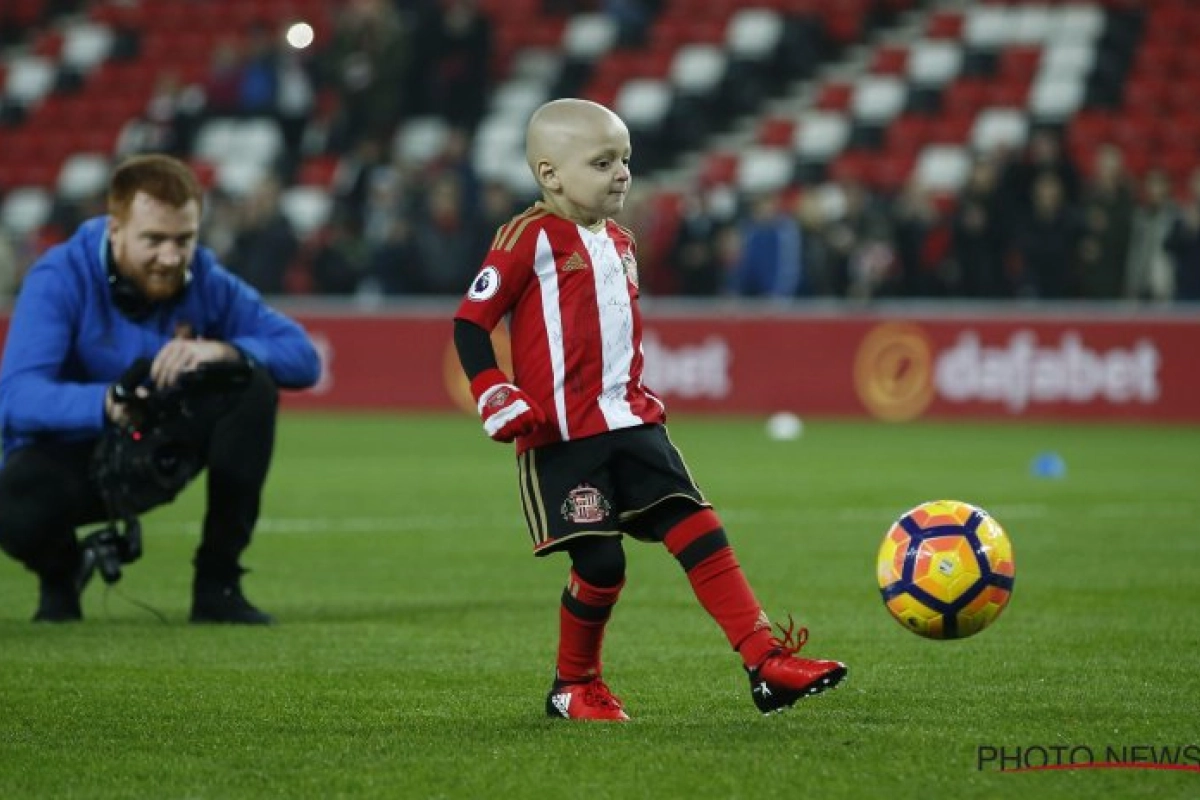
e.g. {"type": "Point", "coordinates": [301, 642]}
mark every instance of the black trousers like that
{"type": "Point", "coordinates": [46, 490]}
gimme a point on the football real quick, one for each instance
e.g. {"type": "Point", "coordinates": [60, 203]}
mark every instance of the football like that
{"type": "Point", "coordinates": [946, 569]}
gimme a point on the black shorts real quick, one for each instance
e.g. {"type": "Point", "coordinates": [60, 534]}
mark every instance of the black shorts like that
{"type": "Point", "coordinates": [602, 485]}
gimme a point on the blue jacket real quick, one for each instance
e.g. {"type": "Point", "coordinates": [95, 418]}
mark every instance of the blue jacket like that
{"type": "Point", "coordinates": [67, 341]}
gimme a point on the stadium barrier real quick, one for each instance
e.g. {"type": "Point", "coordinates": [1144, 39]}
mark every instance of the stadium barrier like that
{"type": "Point", "coordinates": [897, 366]}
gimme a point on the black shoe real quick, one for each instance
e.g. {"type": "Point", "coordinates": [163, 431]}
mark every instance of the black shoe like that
{"type": "Point", "coordinates": [58, 601]}
{"type": "Point", "coordinates": [223, 602]}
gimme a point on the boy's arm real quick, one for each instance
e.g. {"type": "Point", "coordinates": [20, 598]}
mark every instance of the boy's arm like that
{"type": "Point", "coordinates": [507, 412]}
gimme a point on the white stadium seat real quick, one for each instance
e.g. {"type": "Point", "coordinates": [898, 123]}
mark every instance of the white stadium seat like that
{"type": "Point", "coordinates": [86, 44]}
{"type": "Point", "coordinates": [589, 36]}
{"type": "Point", "coordinates": [820, 135]}
{"type": "Point", "coordinates": [83, 175]}
{"type": "Point", "coordinates": [877, 99]}
{"type": "Point", "coordinates": [29, 79]}
{"type": "Point", "coordinates": [419, 140]}
{"type": "Point", "coordinates": [1055, 99]}
{"type": "Point", "coordinates": [306, 207]}
{"type": "Point", "coordinates": [989, 27]}
{"type": "Point", "coordinates": [999, 128]}
{"type": "Point", "coordinates": [942, 168]}
{"type": "Point", "coordinates": [934, 62]}
{"type": "Point", "coordinates": [753, 33]}
{"type": "Point", "coordinates": [698, 68]}
{"type": "Point", "coordinates": [642, 102]}
{"type": "Point", "coordinates": [25, 209]}
{"type": "Point", "coordinates": [764, 169]}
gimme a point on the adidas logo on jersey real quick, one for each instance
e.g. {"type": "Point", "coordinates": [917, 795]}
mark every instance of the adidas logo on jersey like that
{"type": "Point", "coordinates": [574, 263]}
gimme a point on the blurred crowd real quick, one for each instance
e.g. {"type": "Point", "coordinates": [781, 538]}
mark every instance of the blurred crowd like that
{"type": "Point", "coordinates": [1027, 224]}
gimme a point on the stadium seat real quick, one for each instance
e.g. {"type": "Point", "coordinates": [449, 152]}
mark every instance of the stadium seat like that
{"type": "Point", "coordinates": [419, 140]}
{"type": "Point", "coordinates": [1004, 128]}
{"type": "Point", "coordinates": [1056, 99]}
{"type": "Point", "coordinates": [239, 177]}
{"type": "Point", "coordinates": [697, 68]}
{"type": "Point", "coordinates": [588, 36]}
{"type": "Point", "coordinates": [942, 168]}
{"type": "Point", "coordinates": [877, 99]}
{"type": "Point", "coordinates": [307, 208]}
{"type": "Point", "coordinates": [934, 63]}
{"type": "Point", "coordinates": [643, 103]}
{"type": "Point", "coordinates": [764, 169]}
{"type": "Point", "coordinates": [83, 175]}
{"type": "Point", "coordinates": [86, 44]}
{"type": "Point", "coordinates": [29, 79]}
{"type": "Point", "coordinates": [821, 135]}
{"type": "Point", "coordinates": [753, 34]}
{"type": "Point", "coordinates": [25, 209]}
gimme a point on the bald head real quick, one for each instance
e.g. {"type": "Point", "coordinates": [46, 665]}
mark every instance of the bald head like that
{"type": "Point", "coordinates": [562, 127]}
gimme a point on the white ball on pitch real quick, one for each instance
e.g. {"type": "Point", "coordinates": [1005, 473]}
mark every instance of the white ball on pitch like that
{"type": "Point", "coordinates": [784, 426]}
{"type": "Point", "coordinates": [300, 35]}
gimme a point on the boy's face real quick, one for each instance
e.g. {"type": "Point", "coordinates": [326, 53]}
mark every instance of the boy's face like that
{"type": "Point", "coordinates": [153, 244]}
{"type": "Point", "coordinates": [593, 175]}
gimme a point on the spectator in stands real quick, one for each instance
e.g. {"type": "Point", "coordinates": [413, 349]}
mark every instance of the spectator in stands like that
{"type": "Point", "coordinates": [445, 240]}
{"type": "Point", "coordinates": [810, 215]}
{"type": "Point", "coordinates": [770, 261]}
{"type": "Point", "coordinates": [394, 264]}
{"type": "Point", "coordinates": [694, 255]}
{"type": "Point", "coordinates": [1107, 217]}
{"type": "Point", "coordinates": [978, 240]}
{"type": "Point", "coordinates": [1043, 154]}
{"type": "Point", "coordinates": [368, 64]}
{"type": "Point", "coordinates": [453, 47]}
{"type": "Point", "coordinates": [265, 244]}
{"type": "Point", "coordinates": [857, 223]}
{"type": "Point", "coordinates": [919, 237]}
{"type": "Point", "coordinates": [1149, 273]}
{"type": "Point", "coordinates": [258, 86]}
{"type": "Point", "coordinates": [633, 18]}
{"type": "Point", "coordinates": [295, 101]}
{"type": "Point", "coordinates": [497, 206]}
{"type": "Point", "coordinates": [223, 83]}
{"type": "Point", "coordinates": [1047, 241]}
{"type": "Point", "coordinates": [340, 260]}
{"type": "Point", "coordinates": [168, 122]}
{"type": "Point", "coordinates": [1183, 243]}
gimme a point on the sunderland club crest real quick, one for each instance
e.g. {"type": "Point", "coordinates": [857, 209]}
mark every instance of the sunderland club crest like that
{"type": "Point", "coordinates": [584, 505]}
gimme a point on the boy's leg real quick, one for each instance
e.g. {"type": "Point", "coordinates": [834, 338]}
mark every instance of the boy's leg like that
{"type": "Point", "coordinates": [597, 576]}
{"type": "Point", "coordinates": [778, 678]}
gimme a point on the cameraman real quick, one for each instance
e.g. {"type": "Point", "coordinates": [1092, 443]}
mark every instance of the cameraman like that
{"type": "Point", "coordinates": [136, 285]}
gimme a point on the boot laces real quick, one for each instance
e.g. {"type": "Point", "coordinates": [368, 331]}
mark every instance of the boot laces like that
{"type": "Point", "coordinates": [596, 693]}
{"type": "Point", "coordinates": [792, 640]}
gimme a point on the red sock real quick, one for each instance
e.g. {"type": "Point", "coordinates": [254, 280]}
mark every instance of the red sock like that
{"type": "Point", "coordinates": [582, 618]}
{"type": "Point", "coordinates": [700, 546]}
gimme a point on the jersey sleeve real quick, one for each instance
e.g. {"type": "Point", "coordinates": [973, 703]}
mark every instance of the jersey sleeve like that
{"type": "Point", "coordinates": [498, 285]}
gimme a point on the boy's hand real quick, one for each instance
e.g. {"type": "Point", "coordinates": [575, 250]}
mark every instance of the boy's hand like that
{"type": "Point", "coordinates": [507, 412]}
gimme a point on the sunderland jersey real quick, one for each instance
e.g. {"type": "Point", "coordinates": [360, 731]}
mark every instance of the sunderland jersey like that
{"type": "Point", "coordinates": [570, 297]}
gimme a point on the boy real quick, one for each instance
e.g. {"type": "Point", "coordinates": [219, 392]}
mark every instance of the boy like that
{"type": "Point", "coordinates": [593, 456]}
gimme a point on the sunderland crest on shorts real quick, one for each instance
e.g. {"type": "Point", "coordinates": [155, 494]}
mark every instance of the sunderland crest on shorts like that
{"type": "Point", "coordinates": [584, 505]}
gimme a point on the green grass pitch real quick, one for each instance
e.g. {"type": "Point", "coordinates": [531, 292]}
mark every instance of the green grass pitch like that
{"type": "Point", "coordinates": [417, 634]}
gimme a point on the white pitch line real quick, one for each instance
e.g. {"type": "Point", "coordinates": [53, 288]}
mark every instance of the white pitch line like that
{"type": "Point", "coordinates": [852, 514]}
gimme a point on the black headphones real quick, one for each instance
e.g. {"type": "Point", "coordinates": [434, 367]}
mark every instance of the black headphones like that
{"type": "Point", "coordinates": [128, 299]}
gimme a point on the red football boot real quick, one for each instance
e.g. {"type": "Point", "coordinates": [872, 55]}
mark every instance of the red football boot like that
{"type": "Point", "coordinates": [589, 700]}
{"type": "Point", "coordinates": [782, 678]}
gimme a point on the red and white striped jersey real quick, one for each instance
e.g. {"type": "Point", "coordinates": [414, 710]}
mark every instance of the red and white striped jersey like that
{"type": "Point", "coordinates": [570, 296]}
